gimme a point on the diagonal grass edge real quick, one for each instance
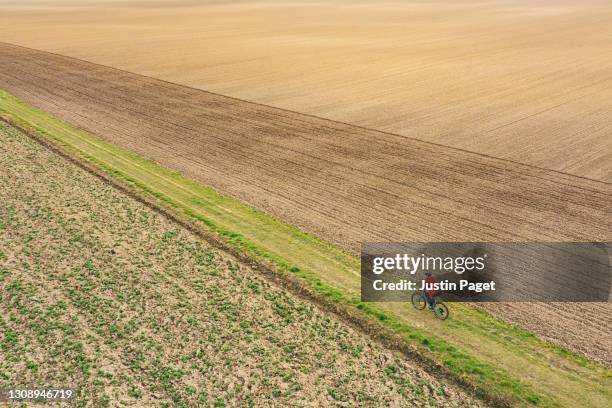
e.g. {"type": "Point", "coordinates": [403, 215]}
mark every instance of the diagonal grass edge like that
{"type": "Point", "coordinates": [236, 222]}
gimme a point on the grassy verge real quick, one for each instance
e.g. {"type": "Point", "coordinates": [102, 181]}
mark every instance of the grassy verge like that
{"type": "Point", "coordinates": [501, 362]}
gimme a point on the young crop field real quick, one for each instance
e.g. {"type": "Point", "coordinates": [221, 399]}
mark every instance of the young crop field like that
{"type": "Point", "coordinates": [103, 294]}
{"type": "Point", "coordinates": [518, 79]}
{"type": "Point", "coordinates": [487, 354]}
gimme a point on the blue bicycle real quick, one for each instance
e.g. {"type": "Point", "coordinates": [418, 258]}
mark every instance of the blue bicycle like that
{"type": "Point", "coordinates": [419, 301]}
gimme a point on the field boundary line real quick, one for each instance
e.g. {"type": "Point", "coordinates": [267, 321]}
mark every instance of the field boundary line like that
{"type": "Point", "coordinates": [368, 326]}
{"type": "Point", "coordinates": [393, 333]}
{"type": "Point", "coordinates": [396, 135]}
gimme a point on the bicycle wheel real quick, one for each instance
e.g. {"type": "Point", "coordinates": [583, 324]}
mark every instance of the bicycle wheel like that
{"type": "Point", "coordinates": [441, 311]}
{"type": "Point", "coordinates": [418, 301]}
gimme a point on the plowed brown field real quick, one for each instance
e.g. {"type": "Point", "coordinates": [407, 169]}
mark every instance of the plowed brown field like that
{"type": "Point", "coordinates": [525, 80]}
{"type": "Point", "coordinates": [342, 182]}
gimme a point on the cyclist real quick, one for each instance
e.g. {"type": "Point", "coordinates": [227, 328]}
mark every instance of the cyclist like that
{"type": "Point", "coordinates": [431, 293]}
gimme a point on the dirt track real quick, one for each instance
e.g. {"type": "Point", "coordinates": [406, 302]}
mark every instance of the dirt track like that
{"type": "Point", "coordinates": [344, 183]}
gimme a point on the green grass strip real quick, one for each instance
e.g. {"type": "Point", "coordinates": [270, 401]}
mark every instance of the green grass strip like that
{"type": "Point", "coordinates": [501, 361]}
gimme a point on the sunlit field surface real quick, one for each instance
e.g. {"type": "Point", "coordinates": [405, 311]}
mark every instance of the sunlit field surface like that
{"type": "Point", "coordinates": [525, 80]}
{"type": "Point", "coordinates": [294, 132]}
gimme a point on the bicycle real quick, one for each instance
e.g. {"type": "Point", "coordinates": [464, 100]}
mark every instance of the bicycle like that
{"type": "Point", "coordinates": [419, 301]}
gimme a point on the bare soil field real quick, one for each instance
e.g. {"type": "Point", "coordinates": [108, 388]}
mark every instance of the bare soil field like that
{"type": "Point", "coordinates": [101, 293]}
{"type": "Point", "coordinates": [517, 79]}
{"type": "Point", "coordinates": [344, 183]}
